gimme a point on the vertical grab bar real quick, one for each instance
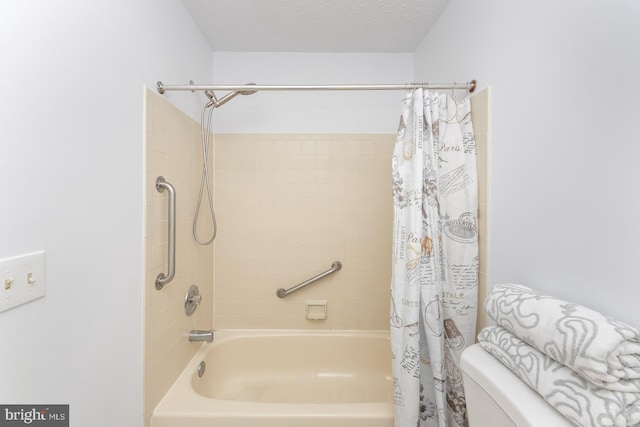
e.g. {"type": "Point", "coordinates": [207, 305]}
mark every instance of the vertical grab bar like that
{"type": "Point", "coordinates": [163, 279]}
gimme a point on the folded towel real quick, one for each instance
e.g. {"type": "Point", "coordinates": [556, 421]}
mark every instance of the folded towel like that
{"type": "Point", "coordinates": [601, 349]}
{"type": "Point", "coordinates": [577, 399]}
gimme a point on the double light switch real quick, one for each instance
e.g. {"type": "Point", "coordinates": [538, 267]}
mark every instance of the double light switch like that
{"type": "Point", "coordinates": [23, 278]}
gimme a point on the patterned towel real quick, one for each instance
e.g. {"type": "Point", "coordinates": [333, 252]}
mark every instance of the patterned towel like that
{"type": "Point", "coordinates": [602, 350]}
{"type": "Point", "coordinates": [577, 399]}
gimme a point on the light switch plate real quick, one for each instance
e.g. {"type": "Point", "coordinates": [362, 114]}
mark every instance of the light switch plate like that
{"type": "Point", "coordinates": [22, 279]}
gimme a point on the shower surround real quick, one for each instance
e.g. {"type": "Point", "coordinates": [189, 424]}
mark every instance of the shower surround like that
{"type": "Point", "coordinates": [288, 206]}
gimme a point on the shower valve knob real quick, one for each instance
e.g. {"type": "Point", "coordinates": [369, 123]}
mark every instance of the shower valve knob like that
{"type": "Point", "coordinates": [192, 300]}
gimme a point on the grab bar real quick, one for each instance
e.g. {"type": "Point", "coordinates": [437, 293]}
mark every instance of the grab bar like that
{"type": "Point", "coordinates": [282, 292]}
{"type": "Point", "coordinates": [163, 279]}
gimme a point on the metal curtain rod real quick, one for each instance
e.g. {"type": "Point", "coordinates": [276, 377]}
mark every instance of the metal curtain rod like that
{"type": "Point", "coordinates": [470, 86]}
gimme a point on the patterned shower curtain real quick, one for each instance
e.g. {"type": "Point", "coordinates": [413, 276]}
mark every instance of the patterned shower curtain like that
{"type": "Point", "coordinates": [435, 258]}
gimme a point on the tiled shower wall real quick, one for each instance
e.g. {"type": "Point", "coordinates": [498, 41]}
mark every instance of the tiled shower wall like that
{"type": "Point", "coordinates": [172, 149]}
{"type": "Point", "coordinates": [290, 205]}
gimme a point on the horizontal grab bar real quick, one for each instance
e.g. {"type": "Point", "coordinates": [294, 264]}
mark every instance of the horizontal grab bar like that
{"type": "Point", "coordinates": [282, 292]}
{"type": "Point", "coordinates": [163, 279]}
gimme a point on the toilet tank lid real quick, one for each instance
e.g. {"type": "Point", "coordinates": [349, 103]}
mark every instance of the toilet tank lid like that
{"type": "Point", "coordinates": [520, 402]}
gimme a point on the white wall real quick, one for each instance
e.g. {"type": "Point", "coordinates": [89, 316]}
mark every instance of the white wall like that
{"type": "Point", "coordinates": [564, 190]}
{"type": "Point", "coordinates": [316, 112]}
{"type": "Point", "coordinates": [71, 183]}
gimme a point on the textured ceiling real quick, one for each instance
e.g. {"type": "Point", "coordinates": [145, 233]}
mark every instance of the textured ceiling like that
{"type": "Point", "coordinates": [315, 25]}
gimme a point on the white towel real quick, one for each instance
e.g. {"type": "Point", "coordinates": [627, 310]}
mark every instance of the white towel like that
{"type": "Point", "coordinates": [601, 349]}
{"type": "Point", "coordinates": [577, 399]}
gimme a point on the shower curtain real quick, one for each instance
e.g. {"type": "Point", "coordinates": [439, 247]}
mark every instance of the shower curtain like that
{"type": "Point", "coordinates": [435, 258]}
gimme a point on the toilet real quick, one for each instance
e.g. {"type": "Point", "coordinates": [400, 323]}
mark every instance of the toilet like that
{"type": "Point", "coordinates": [496, 397]}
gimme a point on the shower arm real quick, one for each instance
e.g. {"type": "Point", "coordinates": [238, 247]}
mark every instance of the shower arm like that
{"type": "Point", "coordinates": [215, 102]}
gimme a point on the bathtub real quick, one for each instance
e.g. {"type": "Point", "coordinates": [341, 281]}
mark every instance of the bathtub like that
{"type": "Point", "coordinates": [284, 379]}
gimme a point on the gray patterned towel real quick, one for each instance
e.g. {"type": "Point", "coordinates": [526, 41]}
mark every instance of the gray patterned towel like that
{"type": "Point", "coordinates": [577, 399]}
{"type": "Point", "coordinates": [602, 350]}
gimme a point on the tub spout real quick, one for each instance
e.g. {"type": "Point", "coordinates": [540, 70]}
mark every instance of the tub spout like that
{"type": "Point", "coordinates": [201, 335]}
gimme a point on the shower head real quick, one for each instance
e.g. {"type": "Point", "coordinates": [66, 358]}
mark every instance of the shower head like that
{"type": "Point", "coordinates": [248, 92]}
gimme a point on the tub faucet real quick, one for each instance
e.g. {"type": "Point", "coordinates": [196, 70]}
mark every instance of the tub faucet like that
{"type": "Point", "coordinates": [197, 335]}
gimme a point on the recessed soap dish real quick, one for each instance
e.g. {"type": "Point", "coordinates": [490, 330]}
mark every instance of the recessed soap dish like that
{"type": "Point", "coordinates": [316, 309]}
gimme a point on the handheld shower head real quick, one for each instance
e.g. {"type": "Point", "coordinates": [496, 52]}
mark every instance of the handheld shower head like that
{"type": "Point", "coordinates": [248, 92]}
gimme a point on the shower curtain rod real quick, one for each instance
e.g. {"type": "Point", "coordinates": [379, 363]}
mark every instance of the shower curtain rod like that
{"type": "Point", "coordinates": [470, 86]}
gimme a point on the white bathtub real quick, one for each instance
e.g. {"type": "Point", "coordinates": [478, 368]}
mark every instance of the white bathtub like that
{"type": "Point", "coordinates": [284, 379]}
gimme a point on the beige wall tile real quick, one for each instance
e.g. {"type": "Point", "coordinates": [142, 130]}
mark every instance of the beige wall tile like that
{"type": "Point", "coordinates": [314, 201]}
{"type": "Point", "coordinates": [172, 144]}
